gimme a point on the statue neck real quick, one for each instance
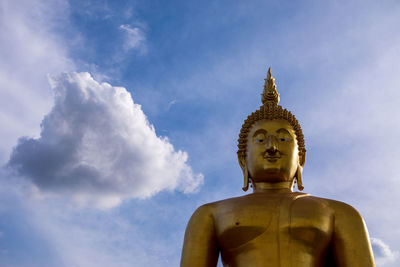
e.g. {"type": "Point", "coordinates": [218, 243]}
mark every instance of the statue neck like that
{"type": "Point", "coordinates": [281, 187]}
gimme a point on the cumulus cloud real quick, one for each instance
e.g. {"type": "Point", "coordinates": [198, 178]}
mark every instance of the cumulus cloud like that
{"type": "Point", "coordinates": [134, 38]}
{"type": "Point", "coordinates": [97, 145]}
{"type": "Point", "coordinates": [382, 252]}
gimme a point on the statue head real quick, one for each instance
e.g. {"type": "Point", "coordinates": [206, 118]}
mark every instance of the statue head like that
{"type": "Point", "coordinates": [271, 142]}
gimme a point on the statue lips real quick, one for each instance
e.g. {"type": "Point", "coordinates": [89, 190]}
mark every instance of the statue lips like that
{"type": "Point", "coordinates": [272, 159]}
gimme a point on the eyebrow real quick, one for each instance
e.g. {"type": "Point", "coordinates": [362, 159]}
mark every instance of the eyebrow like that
{"type": "Point", "coordinates": [283, 130]}
{"type": "Point", "coordinates": [259, 131]}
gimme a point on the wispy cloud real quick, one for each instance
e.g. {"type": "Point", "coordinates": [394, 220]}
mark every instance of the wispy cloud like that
{"type": "Point", "coordinates": [382, 252]}
{"type": "Point", "coordinates": [97, 145]}
{"type": "Point", "coordinates": [135, 38]}
{"type": "Point", "coordinates": [29, 50]}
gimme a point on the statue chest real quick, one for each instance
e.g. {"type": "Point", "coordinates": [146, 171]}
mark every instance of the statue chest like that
{"type": "Point", "coordinates": [269, 227]}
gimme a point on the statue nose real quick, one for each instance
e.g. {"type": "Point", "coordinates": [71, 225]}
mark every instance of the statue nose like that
{"type": "Point", "coordinates": [271, 144]}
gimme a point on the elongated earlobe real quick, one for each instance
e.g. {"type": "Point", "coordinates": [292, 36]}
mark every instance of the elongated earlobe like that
{"type": "Point", "coordinates": [299, 176]}
{"type": "Point", "coordinates": [246, 178]}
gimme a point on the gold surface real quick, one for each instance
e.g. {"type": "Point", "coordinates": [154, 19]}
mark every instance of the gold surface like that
{"type": "Point", "coordinates": [274, 226]}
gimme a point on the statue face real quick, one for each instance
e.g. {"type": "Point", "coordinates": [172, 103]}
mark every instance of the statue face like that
{"type": "Point", "coordinates": [272, 152]}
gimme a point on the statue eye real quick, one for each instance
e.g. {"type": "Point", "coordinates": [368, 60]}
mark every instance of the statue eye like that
{"type": "Point", "coordinates": [259, 138]}
{"type": "Point", "coordinates": [284, 136]}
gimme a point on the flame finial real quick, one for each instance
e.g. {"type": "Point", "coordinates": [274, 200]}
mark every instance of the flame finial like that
{"type": "Point", "coordinates": [270, 94]}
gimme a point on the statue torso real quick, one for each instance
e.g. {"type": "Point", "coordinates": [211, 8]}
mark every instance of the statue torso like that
{"type": "Point", "coordinates": [283, 229]}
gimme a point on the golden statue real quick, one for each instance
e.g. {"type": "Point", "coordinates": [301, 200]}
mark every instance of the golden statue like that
{"type": "Point", "coordinates": [275, 226]}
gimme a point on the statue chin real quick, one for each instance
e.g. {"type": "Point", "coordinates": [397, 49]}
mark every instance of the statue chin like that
{"type": "Point", "coordinates": [272, 176]}
{"type": "Point", "coordinates": [271, 180]}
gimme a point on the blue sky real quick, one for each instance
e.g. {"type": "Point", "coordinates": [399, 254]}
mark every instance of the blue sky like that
{"type": "Point", "coordinates": [130, 113]}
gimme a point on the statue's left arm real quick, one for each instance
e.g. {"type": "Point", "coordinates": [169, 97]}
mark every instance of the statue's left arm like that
{"type": "Point", "coordinates": [200, 247]}
{"type": "Point", "coordinates": [351, 245]}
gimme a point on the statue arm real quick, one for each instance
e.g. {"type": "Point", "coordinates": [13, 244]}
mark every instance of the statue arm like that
{"type": "Point", "coordinates": [200, 245]}
{"type": "Point", "coordinates": [351, 245]}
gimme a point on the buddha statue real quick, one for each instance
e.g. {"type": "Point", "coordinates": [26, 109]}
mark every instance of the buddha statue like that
{"type": "Point", "coordinates": [274, 226]}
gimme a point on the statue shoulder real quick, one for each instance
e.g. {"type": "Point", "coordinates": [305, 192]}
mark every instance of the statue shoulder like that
{"type": "Point", "coordinates": [341, 210]}
{"type": "Point", "coordinates": [212, 207]}
{"type": "Point", "coordinates": [203, 212]}
{"type": "Point", "coordinates": [210, 210]}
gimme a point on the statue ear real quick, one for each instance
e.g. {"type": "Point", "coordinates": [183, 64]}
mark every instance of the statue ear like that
{"type": "Point", "coordinates": [302, 160]}
{"type": "Point", "coordinates": [243, 165]}
{"type": "Point", "coordinates": [242, 162]}
{"type": "Point", "coordinates": [299, 177]}
{"type": "Point", "coordinates": [299, 171]}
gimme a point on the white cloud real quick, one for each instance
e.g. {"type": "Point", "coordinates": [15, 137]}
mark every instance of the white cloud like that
{"type": "Point", "coordinates": [97, 145]}
{"type": "Point", "coordinates": [134, 38]}
{"type": "Point", "coordinates": [382, 252]}
{"type": "Point", "coordinates": [29, 50]}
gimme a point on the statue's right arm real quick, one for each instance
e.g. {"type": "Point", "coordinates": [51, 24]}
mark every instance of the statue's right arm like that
{"type": "Point", "coordinates": [351, 241]}
{"type": "Point", "coordinates": [200, 247]}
